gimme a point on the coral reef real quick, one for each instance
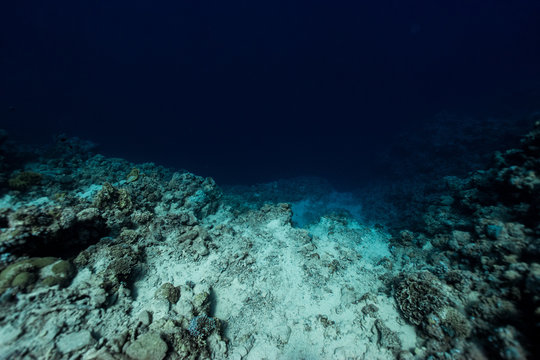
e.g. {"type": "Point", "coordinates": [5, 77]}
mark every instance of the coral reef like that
{"type": "Point", "coordinates": [104, 259]}
{"type": "Point", "coordinates": [419, 295]}
{"type": "Point", "coordinates": [481, 242]}
{"type": "Point", "coordinates": [76, 245]}
{"type": "Point", "coordinates": [202, 326]}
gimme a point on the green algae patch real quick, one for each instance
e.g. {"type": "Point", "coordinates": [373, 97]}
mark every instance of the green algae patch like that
{"type": "Point", "coordinates": [52, 281]}
{"type": "Point", "coordinates": [27, 274]}
{"type": "Point", "coordinates": [42, 262]}
{"type": "Point", "coordinates": [23, 280]}
{"type": "Point", "coordinates": [24, 180]}
{"type": "Point", "coordinates": [62, 268]}
{"type": "Point", "coordinates": [133, 175]}
{"type": "Point", "coordinates": [62, 273]}
{"type": "Point", "coordinates": [11, 272]}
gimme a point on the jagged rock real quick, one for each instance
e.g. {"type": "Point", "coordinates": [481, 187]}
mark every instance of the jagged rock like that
{"type": "Point", "coordinates": [387, 338]}
{"type": "Point", "coordinates": [68, 343]}
{"type": "Point", "coordinates": [148, 346]}
{"type": "Point", "coordinates": [168, 291]}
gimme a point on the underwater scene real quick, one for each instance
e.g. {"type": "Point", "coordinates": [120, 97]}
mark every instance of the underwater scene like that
{"type": "Point", "coordinates": [302, 180]}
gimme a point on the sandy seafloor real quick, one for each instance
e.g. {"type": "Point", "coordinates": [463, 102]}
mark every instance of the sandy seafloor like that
{"type": "Point", "coordinates": [105, 259]}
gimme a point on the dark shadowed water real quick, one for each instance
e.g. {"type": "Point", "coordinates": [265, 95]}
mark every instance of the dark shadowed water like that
{"type": "Point", "coordinates": [255, 91]}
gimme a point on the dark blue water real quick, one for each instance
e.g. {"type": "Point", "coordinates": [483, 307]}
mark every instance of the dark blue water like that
{"type": "Point", "coordinates": [249, 91]}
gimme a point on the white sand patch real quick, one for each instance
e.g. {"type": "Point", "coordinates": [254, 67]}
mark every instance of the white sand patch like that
{"type": "Point", "coordinates": [284, 295]}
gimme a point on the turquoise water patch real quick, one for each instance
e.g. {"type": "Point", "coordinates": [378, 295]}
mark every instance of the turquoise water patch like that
{"type": "Point", "coordinates": [309, 210]}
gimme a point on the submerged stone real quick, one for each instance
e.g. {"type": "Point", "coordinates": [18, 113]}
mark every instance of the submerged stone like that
{"type": "Point", "coordinates": [494, 231]}
{"type": "Point", "coordinates": [168, 291]}
{"type": "Point", "coordinates": [74, 341]}
{"type": "Point", "coordinates": [148, 346]}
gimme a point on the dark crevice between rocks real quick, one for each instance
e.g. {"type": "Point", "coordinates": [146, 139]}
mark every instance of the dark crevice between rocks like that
{"type": "Point", "coordinates": [66, 244]}
{"type": "Point", "coordinates": [4, 223]}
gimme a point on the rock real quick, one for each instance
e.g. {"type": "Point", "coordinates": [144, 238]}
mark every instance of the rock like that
{"type": "Point", "coordinates": [148, 346]}
{"type": "Point", "coordinates": [532, 284]}
{"type": "Point", "coordinates": [370, 309]}
{"type": "Point", "coordinates": [168, 291]}
{"type": "Point", "coordinates": [459, 239]}
{"type": "Point", "coordinates": [68, 343]}
{"type": "Point", "coordinates": [494, 231]}
{"type": "Point", "coordinates": [348, 295]}
{"type": "Point", "coordinates": [88, 215]}
{"type": "Point", "coordinates": [101, 354]}
{"type": "Point", "coordinates": [199, 247]}
{"type": "Point", "coordinates": [60, 274]}
{"type": "Point", "coordinates": [51, 329]}
{"type": "Point", "coordinates": [159, 308]}
{"type": "Point", "coordinates": [145, 317]}
{"type": "Point", "coordinates": [282, 334]}
{"type": "Point", "coordinates": [387, 338]}
{"type": "Point", "coordinates": [9, 333]}
{"type": "Point", "coordinates": [98, 297]}
{"type": "Point", "coordinates": [201, 300]}
{"type": "Point", "coordinates": [512, 275]}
